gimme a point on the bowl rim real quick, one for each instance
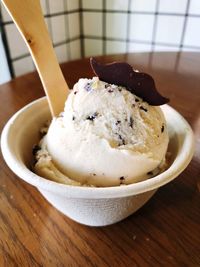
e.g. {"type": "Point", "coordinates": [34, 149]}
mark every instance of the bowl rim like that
{"type": "Point", "coordinates": [180, 163]}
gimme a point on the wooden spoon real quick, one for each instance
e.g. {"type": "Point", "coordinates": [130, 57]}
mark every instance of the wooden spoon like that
{"type": "Point", "coordinates": [28, 17]}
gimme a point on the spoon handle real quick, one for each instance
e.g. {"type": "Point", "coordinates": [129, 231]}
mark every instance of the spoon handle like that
{"type": "Point", "coordinates": [28, 17]}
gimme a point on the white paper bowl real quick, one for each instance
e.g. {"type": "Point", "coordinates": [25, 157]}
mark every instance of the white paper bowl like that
{"type": "Point", "coordinates": [90, 205]}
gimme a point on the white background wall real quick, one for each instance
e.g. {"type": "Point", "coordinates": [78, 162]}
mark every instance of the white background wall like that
{"type": "Point", "coordinates": [4, 71]}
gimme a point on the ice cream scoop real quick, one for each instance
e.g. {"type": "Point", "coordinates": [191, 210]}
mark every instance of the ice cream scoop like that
{"type": "Point", "coordinates": [106, 136]}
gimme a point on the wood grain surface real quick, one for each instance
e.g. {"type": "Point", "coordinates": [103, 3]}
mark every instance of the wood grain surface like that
{"type": "Point", "coordinates": [165, 232]}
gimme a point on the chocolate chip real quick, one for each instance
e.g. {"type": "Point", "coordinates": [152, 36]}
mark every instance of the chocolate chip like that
{"type": "Point", "coordinates": [88, 87]}
{"type": "Point", "coordinates": [150, 173]}
{"type": "Point", "coordinates": [92, 117]}
{"type": "Point", "coordinates": [122, 141]}
{"type": "Point", "coordinates": [110, 91]}
{"type": "Point", "coordinates": [35, 149]}
{"type": "Point", "coordinates": [43, 133]}
{"type": "Point", "coordinates": [162, 128]}
{"type": "Point", "coordinates": [73, 118]}
{"type": "Point", "coordinates": [137, 100]}
{"type": "Point", "coordinates": [117, 122]}
{"type": "Point", "coordinates": [44, 129]}
{"type": "Point", "coordinates": [144, 109]}
{"type": "Point", "coordinates": [75, 92]}
{"type": "Point", "coordinates": [131, 122]}
{"type": "Point", "coordinates": [122, 179]}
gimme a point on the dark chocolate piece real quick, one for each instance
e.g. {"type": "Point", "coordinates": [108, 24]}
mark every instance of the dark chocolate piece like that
{"type": "Point", "coordinates": [162, 129]}
{"type": "Point", "coordinates": [138, 83]}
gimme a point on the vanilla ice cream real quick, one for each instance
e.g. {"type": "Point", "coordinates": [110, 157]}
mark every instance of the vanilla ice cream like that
{"type": "Point", "coordinates": [106, 136]}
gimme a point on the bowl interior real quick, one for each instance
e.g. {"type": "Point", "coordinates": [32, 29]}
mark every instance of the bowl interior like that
{"type": "Point", "coordinates": [25, 131]}
{"type": "Point", "coordinates": [22, 132]}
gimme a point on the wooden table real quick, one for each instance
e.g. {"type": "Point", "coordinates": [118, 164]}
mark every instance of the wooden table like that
{"type": "Point", "coordinates": [165, 232]}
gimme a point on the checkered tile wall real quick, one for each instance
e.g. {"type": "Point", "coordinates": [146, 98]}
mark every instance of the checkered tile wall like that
{"type": "Point", "coordinates": [81, 28]}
